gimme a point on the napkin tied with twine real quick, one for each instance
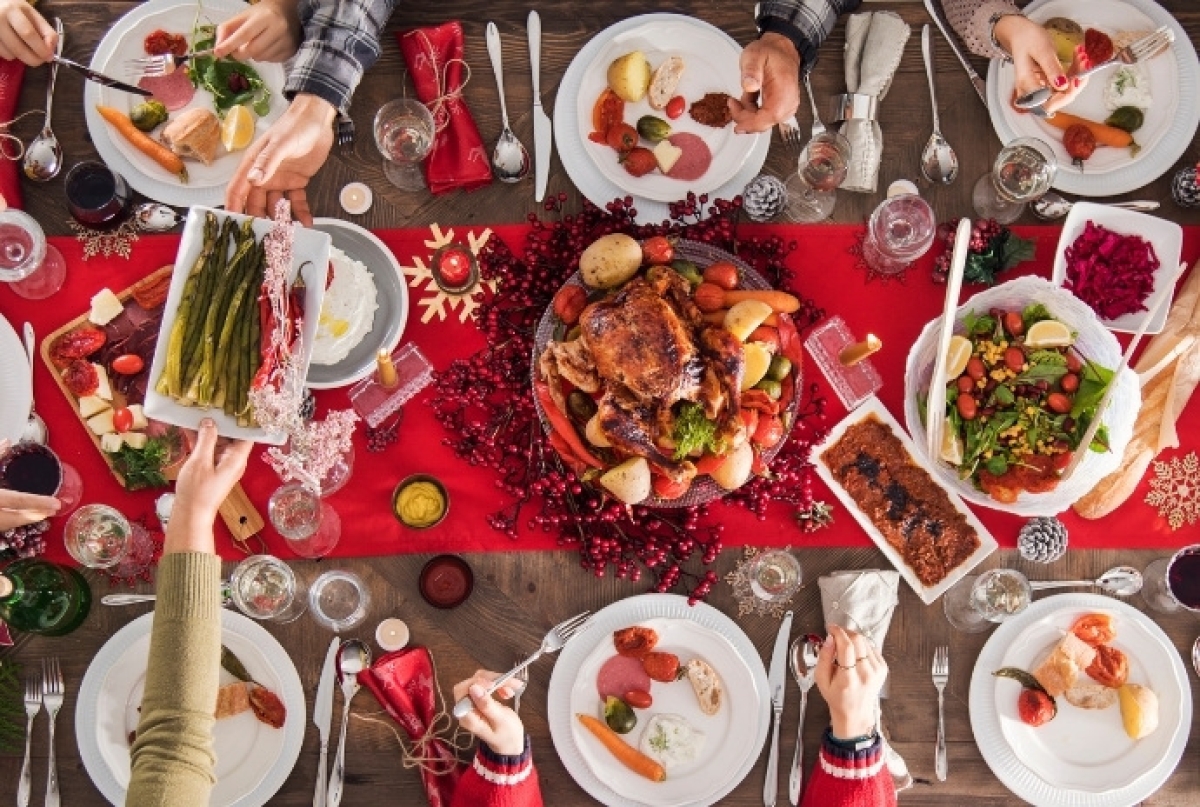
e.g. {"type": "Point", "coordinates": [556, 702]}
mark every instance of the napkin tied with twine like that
{"type": "Point", "coordinates": [863, 601]}
{"type": "Point", "coordinates": [874, 46]}
{"type": "Point", "coordinates": [12, 73]}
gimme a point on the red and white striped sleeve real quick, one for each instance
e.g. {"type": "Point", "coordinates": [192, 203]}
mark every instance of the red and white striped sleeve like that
{"type": "Point", "coordinates": [499, 780]}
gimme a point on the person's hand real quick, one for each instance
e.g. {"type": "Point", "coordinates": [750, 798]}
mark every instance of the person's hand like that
{"type": "Point", "coordinates": [770, 67]}
{"type": "Point", "coordinates": [207, 476]}
{"type": "Point", "coordinates": [280, 163]}
{"type": "Point", "coordinates": [1036, 61]}
{"type": "Point", "coordinates": [25, 34]}
{"type": "Point", "coordinates": [268, 31]}
{"type": "Point", "coordinates": [850, 673]}
{"type": "Point", "coordinates": [18, 509]}
{"type": "Point", "coordinates": [491, 721]}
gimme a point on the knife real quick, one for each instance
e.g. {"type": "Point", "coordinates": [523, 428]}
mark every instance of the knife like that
{"type": "Point", "coordinates": [543, 135]}
{"type": "Point", "coordinates": [775, 682]}
{"type": "Point", "coordinates": [100, 78]}
{"type": "Point", "coordinates": [935, 11]}
{"type": "Point", "coordinates": [322, 716]}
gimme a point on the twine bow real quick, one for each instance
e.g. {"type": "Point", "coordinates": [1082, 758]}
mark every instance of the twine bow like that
{"type": "Point", "coordinates": [8, 139]}
{"type": "Point", "coordinates": [437, 106]}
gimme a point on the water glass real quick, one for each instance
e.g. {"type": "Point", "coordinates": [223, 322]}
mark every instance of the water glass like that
{"type": "Point", "coordinates": [97, 536]}
{"type": "Point", "coordinates": [774, 575]}
{"type": "Point", "coordinates": [812, 190]}
{"type": "Point", "coordinates": [264, 587]}
{"type": "Point", "coordinates": [900, 230]}
{"type": "Point", "coordinates": [97, 196]}
{"type": "Point", "coordinates": [339, 600]}
{"type": "Point", "coordinates": [1023, 172]}
{"type": "Point", "coordinates": [310, 526]}
{"type": "Point", "coordinates": [404, 132]}
{"type": "Point", "coordinates": [976, 603]}
{"type": "Point", "coordinates": [33, 268]}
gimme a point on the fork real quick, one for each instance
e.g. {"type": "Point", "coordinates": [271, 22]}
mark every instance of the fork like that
{"type": "Point", "coordinates": [818, 127]}
{"type": "Point", "coordinates": [52, 698]}
{"type": "Point", "coordinates": [789, 132]}
{"type": "Point", "coordinates": [153, 66]}
{"type": "Point", "coordinates": [523, 675]}
{"type": "Point", "coordinates": [345, 130]}
{"type": "Point", "coordinates": [555, 640]}
{"type": "Point", "coordinates": [941, 674]}
{"type": "Point", "coordinates": [33, 705]}
{"type": "Point", "coordinates": [1142, 50]}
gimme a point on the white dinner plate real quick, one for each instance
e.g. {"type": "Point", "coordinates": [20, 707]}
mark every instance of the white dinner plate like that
{"type": "Point", "coordinates": [392, 296]}
{"type": "Point", "coordinates": [206, 184]}
{"type": "Point", "coordinates": [734, 737]}
{"type": "Point", "coordinates": [1170, 121]}
{"type": "Point", "coordinates": [572, 141]}
{"type": "Point", "coordinates": [16, 393]}
{"type": "Point", "coordinates": [1122, 772]}
{"type": "Point", "coordinates": [253, 759]}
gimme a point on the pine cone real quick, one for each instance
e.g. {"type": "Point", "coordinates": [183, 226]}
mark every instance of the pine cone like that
{"type": "Point", "coordinates": [1042, 540]}
{"type": "Point", "coordinates": [764, 197]}
{"type": "Point", "coordinates": [1185, 187]}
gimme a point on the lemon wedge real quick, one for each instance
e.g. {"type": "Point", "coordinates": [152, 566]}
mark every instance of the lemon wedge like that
{"type": "Point", "coordinates": [952, 447]}
{"type": "Point", "coordinates": [1048, 333]}
{"type": "Point", "coordinates": [237, 129]}
{"type": "Point", "coordinates": [958, 356]}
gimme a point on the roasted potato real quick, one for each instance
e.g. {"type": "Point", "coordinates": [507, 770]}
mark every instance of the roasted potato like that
{"type": "Point", "coordinates": [735, 470]}
{"type": "Point", "coordinates": [630, 481]}
{"type": "Point", "coordinates": [758, 362]}
{"type": "Point", "coordinates": [745, 316]}
{"type": "Point", "coordinates": [594, 434]}
{"type": "Point", "coordinates": [629, 76]}
{"type": "Point", "coordinates": [610, 261]}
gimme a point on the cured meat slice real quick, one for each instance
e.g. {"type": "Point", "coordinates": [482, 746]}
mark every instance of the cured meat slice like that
{"type": "Point", "coordinates": [619, 675]}
{"type": "Point", "coordinates": [174, 90]}
{"type": "Point", "coordinates": [694, 161]}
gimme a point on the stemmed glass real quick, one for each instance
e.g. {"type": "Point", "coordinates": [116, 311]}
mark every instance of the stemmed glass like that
{"type": "Point", "coordinates": [264, 587]}
{"type": "Point", "coordinates": [1174, 583]}
{"type": "Point", "coordinates": [32, 268]}
{"type": "Point", "coordinates": [1023, 172]}
{"type": "Point", "coordinates": [34, 468]}
{"type": "Point", "coordinates": [404, 132]}
{"type": "Point", "coordinates": [899, 231]}
{"type": "Point", "coordinates": [812, 190]}
{"type": "Point", "coordinates": [977, 603]}
{"type": "Point", "coordinates": [310, 526]}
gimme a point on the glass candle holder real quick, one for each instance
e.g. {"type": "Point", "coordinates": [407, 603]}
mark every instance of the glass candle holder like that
{"type": "Point", "coordinates": [774, 575]}
{"type": "Point", "coordinates": [264, 587]}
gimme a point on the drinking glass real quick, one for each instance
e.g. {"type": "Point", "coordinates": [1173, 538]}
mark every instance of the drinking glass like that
{"type": "Point", "coordinates": [899, 231]}
{"type": "Point", "coordinates": [34, 468]}
{"type": "Point", "coordinates": [97, 536]}
{"type": "Point", "coordinates": [812, 190]}
{"type": "Point", "coordinates": [264, 587]}
{"type": "Point", "coordinates": [32, 267]}
{"type": "Point", "coordinates": [97, 196]}
{"type": "Point", "coordinates": [774, 575]}
{"type": "Point", "coordinates": [339, 600]}
{"type": "Point", "coordinates": [1024, 170]}
{"type": "Point", "coordinates": [404, 132]}
{"type": "Point", "coordinates": [976, 603]}
{"type": "Point", "coordinates": [310, 526]}
{"type": "Point", "coordinates": [1173, 583]}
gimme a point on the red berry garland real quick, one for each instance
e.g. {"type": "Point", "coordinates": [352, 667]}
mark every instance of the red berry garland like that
{"type": "Point", "coordinates": [485, 402]}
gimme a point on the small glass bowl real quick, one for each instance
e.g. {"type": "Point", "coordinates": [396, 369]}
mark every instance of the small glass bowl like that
{"type": "Point", "coordinates": [339, 600]}
{"type": "Point", "coordinates": [446, 581]}
{"type": "Point", "coordinates": [412, 480]}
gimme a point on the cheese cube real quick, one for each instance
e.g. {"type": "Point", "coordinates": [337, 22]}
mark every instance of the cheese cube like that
{"type": "Point", "coordinates": [111, 443]}
{"type": "Point", "coordinates": [139, 417]}
{"type": "Point", "coordinates": [91, 405]}
{"type": "Point", "coordinates": [102, 423]}
{"type": "Point", "coordinates": [666, 154]}
{"type": "Point", "coordinates": [105, 307]}
{"type": "Point", "coordinates": [104, 390]}
{"type": "Point", "coordinates": [136, 440]}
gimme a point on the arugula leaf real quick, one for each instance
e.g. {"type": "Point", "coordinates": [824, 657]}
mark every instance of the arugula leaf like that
{"type": "Point", "coordinates": [1093, 381]}
{"type": "Point", "coordinates": [978, 324]}
{"type": "Point", "coordinates": [1003, 395]}
{"type": "Point", "coordinates": [1035, 313]}
{"type": "Point", "coordinates": [1041, 372]}
{"type": "Point", "coordinates": [694, 432]}
{"type": "Point", "coordinates": [212, 74]}
{"type": "Point", "coordinates": [1047, 357]}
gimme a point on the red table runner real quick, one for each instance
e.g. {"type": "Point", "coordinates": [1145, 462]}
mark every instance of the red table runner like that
{"type": "Point", "coordinates": [825, 272]}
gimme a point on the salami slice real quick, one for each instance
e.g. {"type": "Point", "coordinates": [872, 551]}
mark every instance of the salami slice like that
{"type": "Point", "coordinates": [619, 675]}
{"type": "Point", "coordinates": [694, 161]}
{"type": "Point", "coordinates": [174, 90]}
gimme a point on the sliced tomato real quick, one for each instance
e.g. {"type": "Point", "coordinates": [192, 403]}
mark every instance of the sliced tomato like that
{"type": "Point", "coordinates": [789, 340]}
{"type": "Point", "coordinates": [750, 418]}
{"type": "Point", "coordinates": [621, 136]}
{"type": "Point", "coordinates": [759, 400]}
{"type": "Point", "coordinates": [666, 488]}
{"type": "Point", "coordinates": [710, 462]}
{"type": "Point", "coordinates": [609, 109]}
{"type": "Point", "coordinates": [768, 432]}
{"type": "Point", "coordinates": [1094, 629]}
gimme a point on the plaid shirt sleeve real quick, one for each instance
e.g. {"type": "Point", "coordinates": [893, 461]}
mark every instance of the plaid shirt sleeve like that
{"type": "Point", "coordinates": [341, 40]}
{"type": "Point", "coordinates": [805, 22]}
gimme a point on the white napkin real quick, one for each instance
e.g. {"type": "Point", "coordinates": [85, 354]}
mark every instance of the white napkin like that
{"type": "Point", "coordinates": [874, 45]}
{"type": "Point", "coordinates": [863, 601]}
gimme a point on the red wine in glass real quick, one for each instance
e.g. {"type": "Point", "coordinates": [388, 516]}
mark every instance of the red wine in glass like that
{"type": "Point", "coordinates": [1183, 577]}
{"type": "Point", "coordinates": [31, 468]}
{"type": "Point", "coordinates": [96, 195]}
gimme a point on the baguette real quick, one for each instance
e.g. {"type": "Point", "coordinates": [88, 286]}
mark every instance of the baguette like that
{"type": "Point", "coordinates": [664, 81]}
{"type": "Point", "coordinates": [706, 684]}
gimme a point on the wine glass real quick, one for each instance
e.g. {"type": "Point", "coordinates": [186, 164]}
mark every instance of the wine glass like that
{"type": "Point", "coordinates": [97, 536]}
{"type": "Point", "coordinates": [310, 526]}
{"type": "Point", "coordinates": [31, 467]}
{"type": "Point", "coordinates": [264, 587]}
{"type": "Point", "coordinates": [404, 132]}
{"type": "Point", "coordinates": [774, 575]}
{"type": "Point", "coordinates": [1173, 583]}
{"type": "Point", "coordinates": [900, 230]}
{"type": "Point", "coordinates": [812, 190]}
{"type": "Point", "coordinates": [976, 603]}
{"type": "Point", "coordinates": [1024, 170]}
{"type": "Point", "coordinates": [97, 196]}
{"type": "Point", "coordinates": [32, 267]}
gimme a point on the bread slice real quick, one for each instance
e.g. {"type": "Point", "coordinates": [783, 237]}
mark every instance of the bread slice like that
{"type": "Point", "coordinates": [195, 134]}
{"type": "Point", "coordinates": [1066, 662]}
{"type": "Point", "coordinates": [706, 684]}
{"type": "Point", "coordinates": [1090, 695]}
{"type": "Point", "coordinates": [232, 699]}
{"type": "Point", "coordinates": [664, 81]}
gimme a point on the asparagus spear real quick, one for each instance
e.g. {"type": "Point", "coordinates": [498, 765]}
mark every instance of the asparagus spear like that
{"type": "Point", "coordinates": [203, 385]}
{"type": "Point", "coordinates": [192, 352]}
{"type": "Point", "coordinates": [169, 381]}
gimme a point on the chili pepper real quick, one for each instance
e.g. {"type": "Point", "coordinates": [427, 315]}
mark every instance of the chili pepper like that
{"type": "Point", "coordinates": [561, 425]}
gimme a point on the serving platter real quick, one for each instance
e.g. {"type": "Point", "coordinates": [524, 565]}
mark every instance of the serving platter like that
{"type": "Point", "coordinates": [16, 393]}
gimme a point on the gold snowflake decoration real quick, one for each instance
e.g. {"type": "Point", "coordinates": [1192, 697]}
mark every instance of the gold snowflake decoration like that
{"type": "Point", "coordinates": [1175, 490]}
{"type": "Point", "coordinates": [748, 602]}
{"type": "Point", "coordinates": [441, 303]}
{"type": "Point", "coordinates": [106, 242]}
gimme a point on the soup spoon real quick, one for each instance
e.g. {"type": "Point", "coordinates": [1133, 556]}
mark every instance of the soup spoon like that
{"type": "Point", "coordinates": [1119, 580]}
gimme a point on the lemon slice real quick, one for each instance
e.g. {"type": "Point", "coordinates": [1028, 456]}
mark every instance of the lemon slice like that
{"type": "Point", "coordinates": [958, 356]}
{"type": "Point", "coordinates": [237, 130]}
{"type": "Point", "coordinates": [952, 447]}
{"type": "Point", "coordinates": [1048, 333]}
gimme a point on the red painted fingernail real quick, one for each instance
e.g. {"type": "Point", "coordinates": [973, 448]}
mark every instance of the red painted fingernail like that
{"type": "Point", "coordinates": [1060, 81]}
{"type": "Point", "coordinates": [1078, 82]}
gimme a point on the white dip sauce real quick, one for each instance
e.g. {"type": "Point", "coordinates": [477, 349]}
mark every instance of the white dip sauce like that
{"type": "Point", "coordinates": [671, 741]}
{"type": "Point", "coordinates": [1129, 86]}
{"type": "Point", "coordinates": [348, 311]}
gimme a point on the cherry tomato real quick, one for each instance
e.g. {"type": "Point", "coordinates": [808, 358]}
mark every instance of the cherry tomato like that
{"type": "Point", "coordinates": [1110, 667]}
{"type": "Point", "coordinates": [665, 488]}
{"type": "Point", "coordinates": [1014, 359]}
{"type": "Point", "coordinates": [965, 384]}
{"type": "Point", "coordinates": [723, 274]}
{"type": "Point", "coordinates": [621, 136]}
{"type": "Point", "coordinates": [967, 406]}
{"type": "Point", "coordinates": [767, 335]}
{"type": "Point", "coordinates": [638, 699]}
{"type": "Point", "coordinates": [709, 463]}
{"type": "Point", "coordinates": [1058, 403]}
{"type": "Point", "coordinates": [129, 364]}
{"type": "Point", "coordinates": [675, 107]}
{"type": "Point", "coordinates": [1069, 382]}
{"type": "Point", "coordinates": [1035, 707]}
{"type": "Point", "coordinates": [769, 431]}
{"type": "Point", "coordinates": [635, 642]}
{"type": "Point", "coordinates": [122, 419]}
{"type": "Point", "coordinates": [661, 666]}
{"type": "Point", "coordinates": [639, 162]}
{"type": "Point", "coordinates": [657, 251]}
{"type": "Point", "coordinates": [1094, 629]}
{"type": "Point", "coordinates": [1074, 363]}
{"type": "Point", "coordinates": [569, 303]}
{"type": "Point", "coordinates": [1079, 142]}
{"type": "Point", "coordinates": [709, 297]}
{"type": "Point", "coordinates": [975, 368]}
{"type": "Point", "coordinates": [1014, 324]}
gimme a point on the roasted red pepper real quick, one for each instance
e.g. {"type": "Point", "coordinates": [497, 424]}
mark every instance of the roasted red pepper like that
{"type": "Point", "coordinates": [562, 426]}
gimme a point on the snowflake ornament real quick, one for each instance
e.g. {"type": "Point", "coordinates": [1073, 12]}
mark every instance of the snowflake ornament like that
{"type": "Point", "coordinates": [1175, 490]}
{"type": "Point", "coordinates": [106, 242]}
{"type": "Point", "coordinates": [441, 303]}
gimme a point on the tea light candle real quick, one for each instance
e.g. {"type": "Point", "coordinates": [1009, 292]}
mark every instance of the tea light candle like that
{"type": "Point", "coordinates": [392, 634]}
{"type": "Point", "coordinates": [453, 263]}
{"type": "Point", "coordinates": [853, 354]}
{"type": "Point", "coordinates": [902, 187]}
{"type": "Point", "coordinates": [387, 370]}
{"type": "Point", "coordinates": [356, 198]}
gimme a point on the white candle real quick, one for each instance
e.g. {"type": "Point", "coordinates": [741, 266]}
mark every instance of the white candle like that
{"type": "Point", "coordinates": [392, 634]}
{"type": "Point", "coordinates": [356, 198]}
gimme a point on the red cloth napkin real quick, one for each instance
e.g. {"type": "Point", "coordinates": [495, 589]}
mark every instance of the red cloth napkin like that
{"type": "Point", "coordinates": [434, 59]}
{"type": "Point", "coordinates": [12, 72]}
{"type": "Point", "coordinates": [405, 685]}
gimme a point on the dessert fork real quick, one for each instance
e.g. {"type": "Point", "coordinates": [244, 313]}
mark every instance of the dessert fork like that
{"type": "Point", "coordinates": [33, 705]}
{"type": "Point", "coordinates": [52, 699]}
{"type": "Point", "coordinates": [1142, 50]}
{"type": "Point", "coordinates": [941, 674]}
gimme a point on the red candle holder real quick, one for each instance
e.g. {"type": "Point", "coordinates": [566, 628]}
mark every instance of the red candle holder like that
{"type": "Point", "coordinates": [454, 268]}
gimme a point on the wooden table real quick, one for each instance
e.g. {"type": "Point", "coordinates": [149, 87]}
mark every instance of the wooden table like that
{"type": "Point", "coordinates": [519, 595]}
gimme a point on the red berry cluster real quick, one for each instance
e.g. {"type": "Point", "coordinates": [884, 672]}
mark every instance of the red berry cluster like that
{"type": "Point", "coordinates": [983, 232]}
{"type": "Point", "coordinates": [26, 541]}
{"type": "Point", "coordinates": [379, 439]}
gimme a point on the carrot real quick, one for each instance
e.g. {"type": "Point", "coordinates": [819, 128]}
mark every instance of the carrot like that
{"type": "Point", "coordinates": [780, 301]}
{"type": "Point", "coordinates": [626, 754]}
{"type": "Point", "coordinates": [563, 427]}
{"type": "Point", "coordinates": [718, 317]}
{"type": "Point", "coordinates": [143, 142]}
{"type": "Point", "coordinates": [1105, 135]}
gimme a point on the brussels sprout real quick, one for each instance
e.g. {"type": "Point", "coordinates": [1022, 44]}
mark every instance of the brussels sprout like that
{"type": "Point", "coordinates": [780, 367]}
{"type": "Point", "coordinates": [771, 387]}
{"type": "Point", "coordinates": [1129, 118]}
{"type": "Point", "coordinates": [689, 270]}
{"type": "Point", "coordinates": [148, 114]}
{"type": "Point", "coordinates": [619, 717]}
{"type": "Point", "coordinates": [581, 405]}
{"type": "Point", "coordinates": [653, 129]}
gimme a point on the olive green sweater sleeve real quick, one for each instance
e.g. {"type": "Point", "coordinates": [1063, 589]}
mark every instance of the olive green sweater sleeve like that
{"type": "Point", "coordinates": [173, 756]}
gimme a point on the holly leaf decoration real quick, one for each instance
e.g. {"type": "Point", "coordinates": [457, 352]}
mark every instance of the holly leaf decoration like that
{"type": "Point", "coordinates": [1002, 253]}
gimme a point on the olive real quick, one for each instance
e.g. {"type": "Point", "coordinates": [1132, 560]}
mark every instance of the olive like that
{"type": "Point", "coordinates": [581, 405]}
{"type": "Point", "coordinates": [689, 270]}
{"type": "Point", "coordinates": [653, 129]}
{"type": "Point", "coordinates": [780, 367]}
{"type": "Point", "coordinates": [619, 717]}
{"type": "Point", "coordinates": [771, 387]}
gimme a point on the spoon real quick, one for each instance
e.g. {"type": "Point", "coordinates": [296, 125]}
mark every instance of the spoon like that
{"type": "Point", "coordinates": [353, 657]}
{"type": "Point", "coordinates": [35, 430]}
{"type": "Point", "coordinates": [1196, 656]}
{"type": "Point", "coordinates": [510, 160]}
{"type": "Point", "coordinates": [1051, 206]}
{"type": "Point", "coordinates": [802, 656]}
{"type": "Point", "coordinates": [1119, 580]}
{"type": "Point", "coordinates": [939, 163]}
{"type": "Point", "coordinates": [44, 157]}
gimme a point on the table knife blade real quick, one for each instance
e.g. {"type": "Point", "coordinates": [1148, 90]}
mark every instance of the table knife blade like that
{"type": "Point", "coordinates": [935, 11]}
{"type": "Point", "coordinates": [100, 78]}
{"type": "Point", "coordinates": [543, 133]}
{"type": "Point", "coordinates": [322, 717]}
{"type": "Point", "coordinates": [776, 680]}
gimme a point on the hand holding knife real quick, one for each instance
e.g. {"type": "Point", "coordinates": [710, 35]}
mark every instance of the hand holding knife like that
{"type": "Point", "coordinates": [776, 681]}
{"type": "Point", "coordinates": [100, 78]}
